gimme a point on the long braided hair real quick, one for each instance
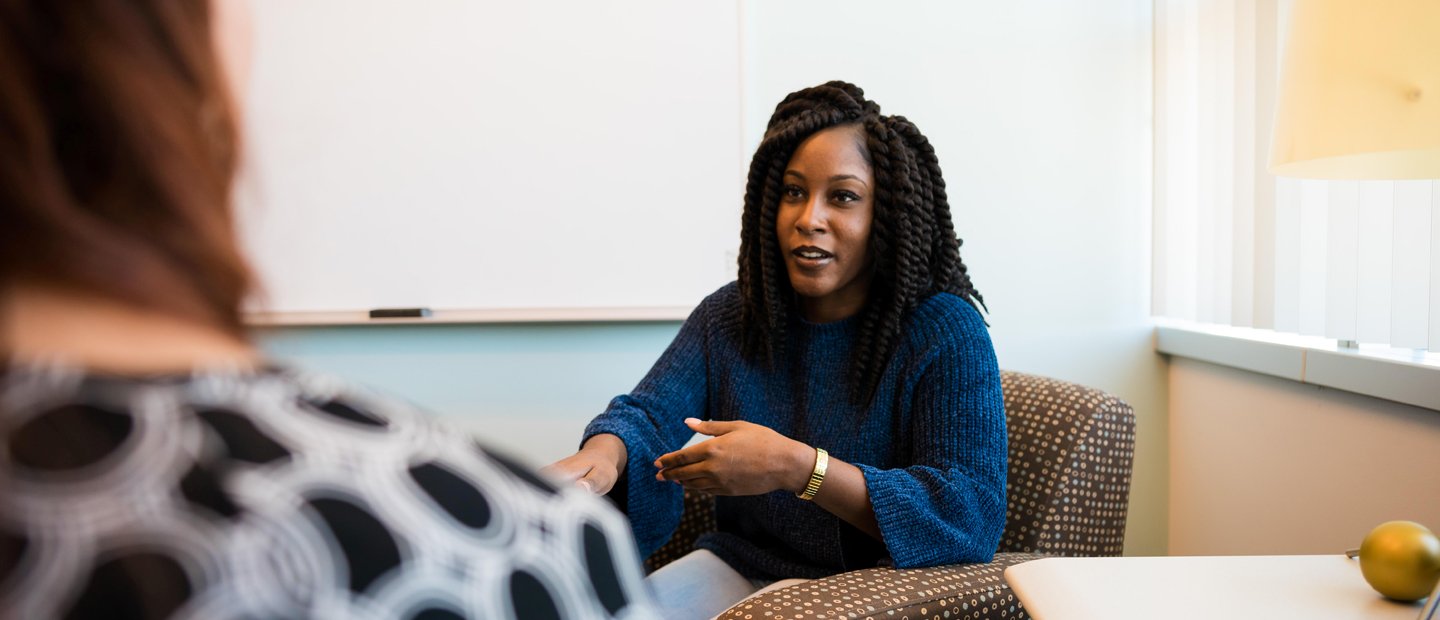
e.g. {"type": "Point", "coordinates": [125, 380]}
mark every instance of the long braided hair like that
{"type": "Point", "coordinates": [913, 242]}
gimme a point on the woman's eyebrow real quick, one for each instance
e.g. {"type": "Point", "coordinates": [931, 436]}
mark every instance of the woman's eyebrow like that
{"type": "Point", "coordinates": [842, 177]}
{"type": "Point", "coordinates": [833, 179]}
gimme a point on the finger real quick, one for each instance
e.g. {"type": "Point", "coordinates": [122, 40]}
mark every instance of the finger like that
{"type": "Point", "coordinates": [680, 458]}
{"type": "Point", "coordinates": [566, 471]}
{"type": "Point", "coordinates": [680, 474]}
{"type": "Point", "coordinates": [711, 427]}
{"type": "Point", "coordinates": [593, 483]}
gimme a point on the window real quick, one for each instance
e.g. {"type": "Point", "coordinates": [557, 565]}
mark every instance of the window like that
{"type": "Point", "coordinates": [1352, 261]}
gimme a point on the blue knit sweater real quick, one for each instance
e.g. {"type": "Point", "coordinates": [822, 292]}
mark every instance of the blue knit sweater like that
{"type": "Point", "coordinates": [931, 444]}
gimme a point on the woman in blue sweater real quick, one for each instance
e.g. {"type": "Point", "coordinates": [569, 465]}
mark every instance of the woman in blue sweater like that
{"type": "Point", "coordinates": [847, 379]}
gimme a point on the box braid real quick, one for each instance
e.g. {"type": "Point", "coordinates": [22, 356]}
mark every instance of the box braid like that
{"type": "Point", "coordinates": [913, 241]}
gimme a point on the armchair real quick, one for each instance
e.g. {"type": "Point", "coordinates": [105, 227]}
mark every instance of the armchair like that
{"type": "Point", "coordinates": [1070, 454]}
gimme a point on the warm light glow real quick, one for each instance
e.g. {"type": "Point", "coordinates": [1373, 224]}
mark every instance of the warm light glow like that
{"type": "Point", "coordinates": [1360, 91]}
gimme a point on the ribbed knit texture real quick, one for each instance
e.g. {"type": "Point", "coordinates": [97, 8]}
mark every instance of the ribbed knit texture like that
{"type": "Point", "coordinates": [931, 444]}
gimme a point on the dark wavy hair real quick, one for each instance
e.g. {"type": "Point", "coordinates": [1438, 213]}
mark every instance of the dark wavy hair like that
{"type": "Point", "coordinates": [119, 151]}
{"type": "Point", "coordinates": [913, 242]}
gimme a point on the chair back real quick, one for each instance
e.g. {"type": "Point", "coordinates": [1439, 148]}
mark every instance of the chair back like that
{"type": "Point", "coordinates": [1071, 453]}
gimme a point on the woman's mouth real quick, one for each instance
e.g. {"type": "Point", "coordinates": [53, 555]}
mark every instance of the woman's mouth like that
{"type": "Point", "coordinates": [811, 257]}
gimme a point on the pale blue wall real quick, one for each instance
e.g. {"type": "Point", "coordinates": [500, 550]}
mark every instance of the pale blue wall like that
{"type": "Point", "coordinates": [526, 388]}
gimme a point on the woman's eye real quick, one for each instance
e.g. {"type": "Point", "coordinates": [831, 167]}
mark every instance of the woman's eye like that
{"type": "Point", "coordinates": [844, 196]}
{"type": "Point", "coordinates": [794, 192]}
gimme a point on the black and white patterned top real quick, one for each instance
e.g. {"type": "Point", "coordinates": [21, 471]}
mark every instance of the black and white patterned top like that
{"type": "Point", "coordinates": [279, 494]}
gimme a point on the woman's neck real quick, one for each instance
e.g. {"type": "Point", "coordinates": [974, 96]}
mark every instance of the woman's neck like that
{"type": "Point", "coordinates": [99, 334]}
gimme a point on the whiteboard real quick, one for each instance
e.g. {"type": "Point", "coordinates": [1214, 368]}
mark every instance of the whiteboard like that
{"type": "Point", "coordinates": [490, 155]}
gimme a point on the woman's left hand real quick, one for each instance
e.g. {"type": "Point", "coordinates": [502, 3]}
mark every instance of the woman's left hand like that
{"type": "Point", "coordinates": [741, 459]}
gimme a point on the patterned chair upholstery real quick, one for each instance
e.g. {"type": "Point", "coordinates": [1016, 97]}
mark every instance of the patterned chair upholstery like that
{"type": "Point", "coordinates": [1071, 449]}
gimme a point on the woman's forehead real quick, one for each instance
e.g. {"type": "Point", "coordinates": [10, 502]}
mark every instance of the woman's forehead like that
{"type": "Point", "coordinates": [835, 150]}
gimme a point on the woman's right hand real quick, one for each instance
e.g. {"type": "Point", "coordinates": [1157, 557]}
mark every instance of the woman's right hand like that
{"type": "Point", "coordinates": [596, 467]}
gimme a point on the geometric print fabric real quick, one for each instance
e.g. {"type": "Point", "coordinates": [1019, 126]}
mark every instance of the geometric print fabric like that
{"type": "Point", "coordinates": [280, 494]}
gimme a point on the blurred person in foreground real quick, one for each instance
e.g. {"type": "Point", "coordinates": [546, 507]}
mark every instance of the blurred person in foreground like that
{"type": "Point", "coordinates": [152, 463]}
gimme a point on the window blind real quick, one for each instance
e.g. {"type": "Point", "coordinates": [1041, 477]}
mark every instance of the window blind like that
{"type": "Point", "coordinates": [1235, 245]}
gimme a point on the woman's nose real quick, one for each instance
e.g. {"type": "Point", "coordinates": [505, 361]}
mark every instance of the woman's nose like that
{"type": "Point", "coordinates": [812, 217]}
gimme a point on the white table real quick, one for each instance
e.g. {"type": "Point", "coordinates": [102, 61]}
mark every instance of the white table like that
{"type": "Point", "coordinates": [1315, 587]}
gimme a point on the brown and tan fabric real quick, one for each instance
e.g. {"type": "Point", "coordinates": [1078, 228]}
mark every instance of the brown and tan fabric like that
{"type": "Point", "coordinates": [1068, 486]}
{"type": "Point", "coordinates": [958, 592]}
{"type": "Point", "coordinates": [1071, 449]}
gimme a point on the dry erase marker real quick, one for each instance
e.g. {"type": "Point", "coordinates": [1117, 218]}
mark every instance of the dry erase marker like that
{"type": "Point", "coordinates": [400, 313]}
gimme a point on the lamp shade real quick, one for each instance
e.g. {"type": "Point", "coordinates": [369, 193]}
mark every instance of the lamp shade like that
{"type": "Point", "coordinates": [1359, 93]}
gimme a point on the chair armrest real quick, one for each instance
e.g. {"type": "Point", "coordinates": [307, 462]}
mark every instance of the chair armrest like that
{"type": "Point", "coordinates": [966, 591]}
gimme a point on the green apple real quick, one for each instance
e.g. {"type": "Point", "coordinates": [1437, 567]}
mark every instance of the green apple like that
{"type": "Point", "coordinates": [1401, 560]}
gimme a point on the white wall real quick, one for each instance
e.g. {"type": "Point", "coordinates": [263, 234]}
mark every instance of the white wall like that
{"type": "Point", "coordinates": [1040, 114]}
{"type": "Point", "coordinates": [1263, 465]}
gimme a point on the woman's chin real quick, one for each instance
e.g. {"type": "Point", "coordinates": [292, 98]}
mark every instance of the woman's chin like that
{"type": "Point", "coordinates": [811, 288]}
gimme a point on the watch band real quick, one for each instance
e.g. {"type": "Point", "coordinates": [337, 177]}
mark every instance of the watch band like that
{"type": "Point", "coordinates": [822, 462]}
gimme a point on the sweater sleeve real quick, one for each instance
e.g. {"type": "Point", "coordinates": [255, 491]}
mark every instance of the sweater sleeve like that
{"type": "Point", "coordinates": [651, 422]}
{"type": "Point", "coordinates": [948, 506]}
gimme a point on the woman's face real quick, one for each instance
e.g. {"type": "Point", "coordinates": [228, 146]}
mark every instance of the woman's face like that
{"type": "Point", "coordinates": [823, 223]}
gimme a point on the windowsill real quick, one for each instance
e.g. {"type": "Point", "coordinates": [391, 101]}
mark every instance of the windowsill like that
{"type": "Point", "coordinates": [1393, 374]}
